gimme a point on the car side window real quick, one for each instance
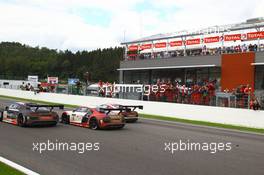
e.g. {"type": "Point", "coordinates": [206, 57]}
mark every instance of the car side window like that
{"type": "Point", "coordinates": [81, 109]}
{"type": "Point", "coordinates": [13, 107]}
{"type": "Point", "coordinates": [89, 112]}
{"type": "Point", "coordinates": [103, 106]}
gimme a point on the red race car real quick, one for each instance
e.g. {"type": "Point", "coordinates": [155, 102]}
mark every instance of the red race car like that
{"type": "Point", "coordinates": [128, 112]}
{"type": "Point", "coordinates": [94, 118]}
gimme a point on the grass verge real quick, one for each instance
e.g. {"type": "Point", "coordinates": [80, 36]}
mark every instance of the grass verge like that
{"type": "Point", "coordinates": [164, 118]}
{"type": "Point", "coordinates": [7, 170]}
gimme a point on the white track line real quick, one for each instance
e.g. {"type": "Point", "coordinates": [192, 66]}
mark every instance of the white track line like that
{"type": "Point", "coordinates": [17, 167]}
{"type": "Point", "coordinates": [203, 126]}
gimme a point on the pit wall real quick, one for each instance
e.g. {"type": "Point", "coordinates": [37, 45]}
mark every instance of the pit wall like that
{"type": "Point", "coordinates": [231, 116]}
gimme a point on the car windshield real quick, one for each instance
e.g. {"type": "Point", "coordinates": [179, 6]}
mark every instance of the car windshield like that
{"type": "Point", "coordinates": [99, 109]}
{"type": "Point", "coordinates": [115, 105]}
{"type": "Point", "coordinates": [82, 109]}
{"type": "Point", "coordinates": [39, 109]}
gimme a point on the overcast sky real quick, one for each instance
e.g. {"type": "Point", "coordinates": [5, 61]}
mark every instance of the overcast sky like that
{"type": "Point", "coordinates": [92, 24]}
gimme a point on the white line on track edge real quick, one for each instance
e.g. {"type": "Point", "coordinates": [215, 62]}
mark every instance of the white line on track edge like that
{"type": "Point", "coordinates": [17, 167]}
{"type": "Point", "coordinates": [203, 126]}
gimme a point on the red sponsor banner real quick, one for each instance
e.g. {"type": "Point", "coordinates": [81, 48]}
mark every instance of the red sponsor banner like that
{"type": "Point", "coordinates": [212, 39]}
{"type": "Point", "coordinates": [145, 46]}
{"type": "Point", "coordinates": [193, 41]}
{"type": "Point", "coordinates": [234, 37]}
{"type": "Point", "coordinates": [53, 80]}
{"type": "Point", "coordinates": [176, 43]}
{"type": "Point", "coordinates": [255, 35]}
{"type": "Point", "coordinates": [43, 84]}
{"type": "Point", "coordinates": [133, 48]}
{"type": "Point", "coordinates": [160, 45]}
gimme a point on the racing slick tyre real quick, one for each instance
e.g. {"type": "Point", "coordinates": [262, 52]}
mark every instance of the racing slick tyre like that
{"type": "Point", "coordinates": [21, 121]}
{"type": "Point", "coordinates": [131, 120]}
{"type": "Point", "coordinates": [54, 124]}
{"type": "Point", "coordinates": [1, 116]}
{"type": "Point", "coordinates": [134, 121]}
{"type": "Point", "coordinates": [65, 119]}
{"type": "Point", "coordinates": [121, 127]}
{"type": "Point", "coordinates": [93, 124]}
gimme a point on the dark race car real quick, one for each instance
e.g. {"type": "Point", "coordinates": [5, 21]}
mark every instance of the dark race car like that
{"type": "Point", "coordinates": [27, 114]}
{"type": "Point", "coordinates": [128, 112]}
{"type": "Point", "coordinates": [94, 118]}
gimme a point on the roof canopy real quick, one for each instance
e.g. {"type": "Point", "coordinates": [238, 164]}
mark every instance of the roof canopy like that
{"type": "Point", "coordinates": [255, 23]}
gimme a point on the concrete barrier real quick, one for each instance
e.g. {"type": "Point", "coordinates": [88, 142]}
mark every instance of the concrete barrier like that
{"type": "Point", "coordinates": [239, 117]}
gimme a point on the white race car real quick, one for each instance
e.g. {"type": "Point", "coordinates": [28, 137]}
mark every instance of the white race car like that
{"type": "Point", "coordinates": [94, 118]}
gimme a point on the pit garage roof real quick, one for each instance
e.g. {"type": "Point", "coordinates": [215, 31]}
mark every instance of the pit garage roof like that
{"type": "Point", "coordinates": [249, 24]}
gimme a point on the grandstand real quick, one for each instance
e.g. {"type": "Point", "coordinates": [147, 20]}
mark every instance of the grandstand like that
{"type": "Point", "coordinates": [231, 54]}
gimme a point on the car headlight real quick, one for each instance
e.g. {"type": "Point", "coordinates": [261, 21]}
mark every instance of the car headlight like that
{"type": "Point", "coordinates": [123, 119]}
{"type": "Point", "coordinates": [107, 119]}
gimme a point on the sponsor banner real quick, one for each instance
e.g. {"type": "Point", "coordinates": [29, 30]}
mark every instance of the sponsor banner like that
{"type": "Point", "coordinates": [176, 43]}
{"type": "Point", "coordinates": [234, 37]}
{"type": "Point", "coordinates": [72, 81]}
{"type": "Point", "coordinates": [255, 35]}
{"type": "Point", "coordinates": [212, 39]}
{"type": "Point", "coordinates": [133, 48]}
{"type": "Point", "coordinates": [146, 46]}
{"type": "Point", "coordinates": [33, 78]}
{"type": "Point", "coordinates": [160, 45]}
{"type": "Point", "coordinates": [53, 80]}
{"type": "Point", "coordinates": [193, 41]}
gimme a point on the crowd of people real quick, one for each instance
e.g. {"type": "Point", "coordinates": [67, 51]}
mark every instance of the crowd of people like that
{"type": "Point", "coordinates": [197, 51]}
{"type": "Point", "coordinates": [200, 94]}
{"type": "Point", "coordinates": [245, 97]}
{"type": "Point", "coordinates": [26, 87]}
{"type": "Point", "coordinates": [40, 88]}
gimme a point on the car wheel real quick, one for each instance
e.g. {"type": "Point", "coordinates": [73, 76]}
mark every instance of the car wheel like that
{"type": "Point", "coordinates": [65, 119]}
{"type": "Point", "coordinates": [21, 120]}
{"type": "Point", "coordinates": [1, 116]}
{"type": "Point", "coordinates": [122, 126]}
{"type": "Point", "coordinates": [93, 124]}
{"type": "Point", "coordinates": [134, 121]}
{"type": "Point", "coordinates": [54, 124]}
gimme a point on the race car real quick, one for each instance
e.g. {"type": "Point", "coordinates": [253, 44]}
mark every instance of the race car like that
{"type": "Point", "coordinates": [28, 114]}
{"type": "Point", "coordinates": [128, 112]}
{"type": "Point", "coordinates": [94, 118]}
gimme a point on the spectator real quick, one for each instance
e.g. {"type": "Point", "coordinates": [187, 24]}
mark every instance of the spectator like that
{"type": "Point", "coordinates": [101, 92]}
{"type": "Point", "coordinates": [254, 104]}
{"type": "Point", "coordinates": [255, 47]}
{"type": "Point", "coordinates": [31, 88]}
{"type": "Point", "coordinates": [23, 86]}
{"type": "Point", "coordinates": [28, 87]}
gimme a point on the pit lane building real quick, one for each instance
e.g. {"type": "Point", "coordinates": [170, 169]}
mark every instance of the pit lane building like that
{"type": "Point", "coordinates": [231, 54]}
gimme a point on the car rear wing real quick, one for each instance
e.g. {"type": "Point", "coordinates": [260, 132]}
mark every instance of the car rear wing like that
{"type": "Point", "coordinates": [46, 106]}
{"type": "Point", "coordinates": [129, 107]}
{"type": "Point", "coordinates": [107, 110]}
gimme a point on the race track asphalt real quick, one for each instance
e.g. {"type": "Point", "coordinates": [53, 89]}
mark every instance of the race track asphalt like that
{"type": "Point", "coordinates": [137, 149]}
